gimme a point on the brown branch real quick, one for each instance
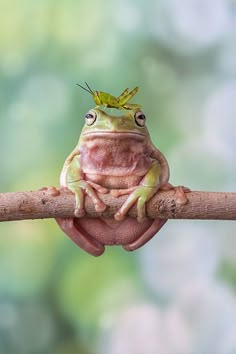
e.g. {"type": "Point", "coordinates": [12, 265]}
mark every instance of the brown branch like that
{"type": "Point", "coordinates": [39, 205]}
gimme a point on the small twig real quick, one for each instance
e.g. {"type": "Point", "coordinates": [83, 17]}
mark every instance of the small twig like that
{"type": "Point", "coordinates": [39, 205]}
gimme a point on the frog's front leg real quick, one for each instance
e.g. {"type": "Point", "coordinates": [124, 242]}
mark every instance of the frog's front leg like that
{"type": "Point", "coordinates": [72, 177]}
{"type": "Point", "coordinates": [142, 193]}
{"type": "Point", "coordinates": [82, 187]}
{"type": "Point", "coordinates": [180, 191]}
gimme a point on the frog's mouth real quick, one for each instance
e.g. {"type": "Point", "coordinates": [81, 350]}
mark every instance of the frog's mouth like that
{"type": "Point", "coordinates": [114, 134]}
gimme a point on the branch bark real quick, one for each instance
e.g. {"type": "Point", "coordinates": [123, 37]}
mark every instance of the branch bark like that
{"type": "Point", "coordinates": [39, 205]}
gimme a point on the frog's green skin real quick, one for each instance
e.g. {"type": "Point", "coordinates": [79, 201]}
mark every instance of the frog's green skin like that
{"type": "Point", "coordinates": [114, 155]}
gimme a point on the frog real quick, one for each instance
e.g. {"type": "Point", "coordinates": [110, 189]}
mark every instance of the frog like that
{"type": "Point", "coordinates": [115, 155]}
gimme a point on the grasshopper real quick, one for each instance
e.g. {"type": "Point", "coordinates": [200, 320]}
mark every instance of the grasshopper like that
{"type": "Point", "coordinates": [109, 101]}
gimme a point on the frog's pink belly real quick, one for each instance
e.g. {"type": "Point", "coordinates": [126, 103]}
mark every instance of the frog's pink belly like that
{"type": "Point", "coordinates": [108, 231]}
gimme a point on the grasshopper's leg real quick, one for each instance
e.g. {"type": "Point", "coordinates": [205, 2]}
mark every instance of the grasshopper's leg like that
{"type": "Point", "coordinates": [121, 97]}
{"type": "Point", "coordinates": [123, 94]}
{"type": "Point", "coordinates": [131, 106]}
{"type": "Point", "coordinates": [126, 96]}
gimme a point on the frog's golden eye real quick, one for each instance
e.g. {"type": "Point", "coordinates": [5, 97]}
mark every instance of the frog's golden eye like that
{"type": "Point", "coordinates": [140, 119]}
{"type": "Point", "coordinates": [90, 117]}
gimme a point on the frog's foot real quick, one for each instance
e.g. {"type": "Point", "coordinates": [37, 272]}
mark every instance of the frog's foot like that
{"type": "Point", "coordinates": [54, 191]}
{"type": "Point", "coordinates": [80, 237]}
{"type": "Point", "coordinates": [140, 195]}
{"type": "Point", "coordinates": [99, 188]}
{"type": "Point", "coordinates": [180, 192]}
{"type": "Point", "coordinates": [79, 190]}
{"type": "Point", "coordinates": [118, 192]}
{"type": "Point", "coordinates": [51, 191]}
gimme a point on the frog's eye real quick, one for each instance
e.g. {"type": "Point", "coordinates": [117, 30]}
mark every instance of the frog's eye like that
{"type": "Point", "coordinates": [90, 117]}
{"type": "Point", "coordinates": [140, 119]}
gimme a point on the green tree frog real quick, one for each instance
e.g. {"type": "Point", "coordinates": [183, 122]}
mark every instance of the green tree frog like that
{"type": "Point", "coordinates": [114, 155]}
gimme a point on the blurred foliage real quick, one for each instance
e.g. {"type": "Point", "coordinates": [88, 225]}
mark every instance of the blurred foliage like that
{"type": "Point", "coordinates": [54, 298]}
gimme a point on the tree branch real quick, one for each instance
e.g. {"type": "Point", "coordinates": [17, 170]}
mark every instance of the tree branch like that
{"type": "Point", "coordinates": [39, 205]}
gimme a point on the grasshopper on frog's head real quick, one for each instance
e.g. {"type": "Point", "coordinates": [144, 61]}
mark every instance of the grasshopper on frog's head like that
{"type": "Point", "coordinates": [109, 101]}
{"type": "Point", "coordinates": [115, 156]}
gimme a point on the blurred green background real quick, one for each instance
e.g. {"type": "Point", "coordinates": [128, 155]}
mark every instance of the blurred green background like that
{"type": "Point", "coordinates": [176, 295]}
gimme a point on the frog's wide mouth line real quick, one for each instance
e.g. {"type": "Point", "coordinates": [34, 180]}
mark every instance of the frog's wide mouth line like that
{"type": "Point", "coordinates": [114, 134]}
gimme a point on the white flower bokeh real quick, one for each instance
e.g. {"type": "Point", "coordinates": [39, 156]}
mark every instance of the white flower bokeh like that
{"type": "Point", "coordinates": [181, 254]}
{"type": "Point", "coordinates": [190, 26]}
{"type": "Point", "coordinates": [202, 319]}
{"type": "Point", "coordinates": [220, 122]}
{"type": "Point", "coordinates": [210, 313]}
{"type": "Point", "coordinates": [42, 97]}
{"type": "Point", "coordinates": [144, 328]}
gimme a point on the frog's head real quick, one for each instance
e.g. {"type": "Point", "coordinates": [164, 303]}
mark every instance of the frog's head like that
{"type": "Point", "coordinates": [98, 124]}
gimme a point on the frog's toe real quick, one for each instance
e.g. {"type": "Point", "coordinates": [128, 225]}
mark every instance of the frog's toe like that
{"type": "Point", "coordinates": [122, 213]}
{"type": "Point", "coordinates": [186, 189]}
{"type": "Point", "coordinates": [141, 219]}
{"type": "Point", "coordinates": [166, 187]}
{"type": "Point", "coordinates": [53, 191]}
{"type": "Point", "coordinates": [180, 195]}
{"type": "Point", "coordinates": [98, 203]}
{"type": "Point", "coordinates": [119, 216]}
{"type": "Point", "coordinates": [119, 192]}
{"type": "Point", "coordinates": [79, 204]}
{"type": "Point", "coordinates": [141, 209]}
{"type": "Point", "coordinates": [180, 191]}
{"type": "Point", "coordinates": [79, 212]}
{"type": "Point", "coordinates": [99, 188]}
{"type": "Point", "coordinates": [99, 206]}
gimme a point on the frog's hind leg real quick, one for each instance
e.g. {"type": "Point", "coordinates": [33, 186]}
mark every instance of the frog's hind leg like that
{"type": "Point", "coordinates": [80, 236]}
{"type": "Point", "coordinates": [151, 231]}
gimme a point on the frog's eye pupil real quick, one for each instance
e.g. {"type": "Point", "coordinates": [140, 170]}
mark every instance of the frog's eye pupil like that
{"type": "Point", "coordinates": [90, 117]}
{"type": "Point", "coordinates": [140, 119]}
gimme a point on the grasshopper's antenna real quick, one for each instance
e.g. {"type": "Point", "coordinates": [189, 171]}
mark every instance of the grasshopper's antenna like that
{"type": "Point", "coordinates": [91, 91]}
{"type": "Point", "coordinates": [84, 88]}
